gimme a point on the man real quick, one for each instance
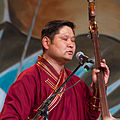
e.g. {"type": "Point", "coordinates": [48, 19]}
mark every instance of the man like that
{"type": "Point", "coordinates": [40, 81]}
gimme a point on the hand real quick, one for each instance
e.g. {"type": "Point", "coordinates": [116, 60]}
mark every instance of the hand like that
{"type": "Point", "coordinates": [105, 70]}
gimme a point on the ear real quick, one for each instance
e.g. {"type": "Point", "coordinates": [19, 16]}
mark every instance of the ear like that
{"type": "Point", "coordinates": [46, 42]}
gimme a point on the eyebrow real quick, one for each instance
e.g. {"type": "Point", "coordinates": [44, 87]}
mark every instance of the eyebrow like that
{"type": "Point", "coordinates": [69, 36]}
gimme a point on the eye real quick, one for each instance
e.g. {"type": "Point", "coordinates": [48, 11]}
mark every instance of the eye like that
{"type": "Point", "coordinates": [65, 39]}
{"type": "Point", "coordinates": [73, 39]}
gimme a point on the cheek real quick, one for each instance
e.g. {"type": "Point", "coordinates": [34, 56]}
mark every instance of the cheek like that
{"type": "Point", "coordinates": [61, 46]}
{"type": "Point", "coordinates": [56, 49]}
{"type": "Point", "coordinates": [74, 47]}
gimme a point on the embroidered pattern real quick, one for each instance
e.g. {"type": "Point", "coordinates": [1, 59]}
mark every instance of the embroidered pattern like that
{"type": "Point", "coordinates": [54, 86]}
{"type": "Point", "coordinates": [46, 69]}
{"type": "Point", "coordinates": [50, 83]}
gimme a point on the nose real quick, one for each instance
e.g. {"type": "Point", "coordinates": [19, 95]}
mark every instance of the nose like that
{"type": "Point", "coordinates": [70, 43]}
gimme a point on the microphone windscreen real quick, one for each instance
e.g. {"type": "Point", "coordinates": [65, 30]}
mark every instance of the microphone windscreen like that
{"type": "Point", "coordinates": [79, 55]}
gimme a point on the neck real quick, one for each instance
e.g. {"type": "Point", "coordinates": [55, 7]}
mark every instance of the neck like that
{"type": "Point", "coordinates": [58, 66]}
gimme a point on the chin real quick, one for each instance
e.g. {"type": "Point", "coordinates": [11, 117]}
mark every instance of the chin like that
{"type": "Point", "coordinates": [69, 58]}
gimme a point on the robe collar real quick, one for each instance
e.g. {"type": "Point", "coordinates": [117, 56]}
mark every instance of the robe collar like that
{"type": "Point", "coordinates": [50, 68]}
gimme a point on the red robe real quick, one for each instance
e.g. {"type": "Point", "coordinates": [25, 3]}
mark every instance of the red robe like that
{"type": "Point", "coordinates": [36, 83]}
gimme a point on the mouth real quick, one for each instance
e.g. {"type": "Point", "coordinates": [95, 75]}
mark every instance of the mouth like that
{"type": "Point", "coordinates": [70, 52]}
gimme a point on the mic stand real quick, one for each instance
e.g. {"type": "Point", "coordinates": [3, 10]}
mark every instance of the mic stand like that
{"type": "Point", "coordinates": [44, 110]}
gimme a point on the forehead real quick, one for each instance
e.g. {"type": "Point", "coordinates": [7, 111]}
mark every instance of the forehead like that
{"type": "Point", "coordinates": [66, 30]}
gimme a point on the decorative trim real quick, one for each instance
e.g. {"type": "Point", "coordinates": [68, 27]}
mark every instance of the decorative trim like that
{"type": "Point", "coordinates": [50, 83]}
{"type": "Point", "coordinates": [47, 70]}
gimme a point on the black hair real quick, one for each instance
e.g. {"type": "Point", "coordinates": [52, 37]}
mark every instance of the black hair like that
{"type": "Point", "coordinates": [52, 28]}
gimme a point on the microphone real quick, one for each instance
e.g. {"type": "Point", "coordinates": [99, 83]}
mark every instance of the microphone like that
{"type": "Point", "coordinates": [83, 58]}
{"type": "Point", "coordinates": [80, 56]}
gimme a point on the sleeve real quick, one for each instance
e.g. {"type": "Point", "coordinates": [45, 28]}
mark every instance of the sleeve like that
{"type": "Point", "coordinates": [20, 99]}
{"type": "Point", "coordinates": [90, 114]}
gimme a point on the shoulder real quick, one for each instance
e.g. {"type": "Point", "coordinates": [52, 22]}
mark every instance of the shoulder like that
{"type": "Point", "coordinates": [29, 72]}
{"type": "Point", "coordinates": [81, 86]}
{"type": "Point", "coordinates": [69, 72]}
{"type": "Point", "coordinates": [26, 81]}
{"type": "Point", "coordinates": [28, 76]}
{"type": "Point", "coordinates": [74, 78]}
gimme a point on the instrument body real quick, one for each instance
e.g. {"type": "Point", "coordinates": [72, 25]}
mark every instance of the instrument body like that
{"type": "Point", "coordinates": [100, 85]}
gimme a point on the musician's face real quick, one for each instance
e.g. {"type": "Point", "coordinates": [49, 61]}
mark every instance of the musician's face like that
{"type": "Point", "coordinates": [62, 48]}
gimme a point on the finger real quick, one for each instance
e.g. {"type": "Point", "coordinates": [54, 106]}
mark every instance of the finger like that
{"type": "Point", "coordinates": [106, 71]}
{"type": "Point", "coordinates": [96, 70]}
{"type": "Point", "coordinates": [104, 61]}
{"type": "Point", "coordinates": [103, 65]}
{"type": "Point", "coordinates": [94, 74]}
